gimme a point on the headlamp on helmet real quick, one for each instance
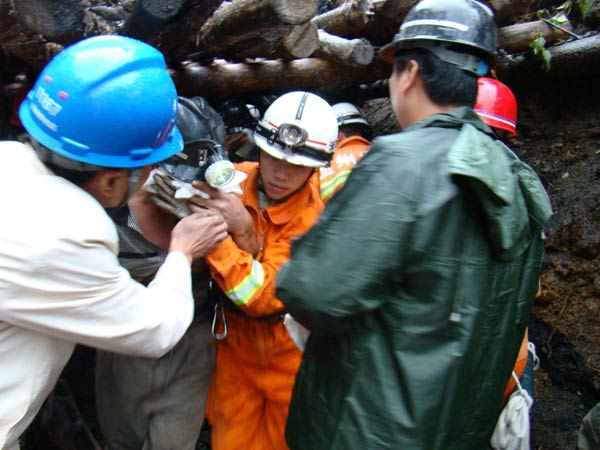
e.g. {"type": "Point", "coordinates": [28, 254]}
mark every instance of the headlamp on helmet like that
{"type": "Point", "coordinates": [291, 134]}
{"type": "Point", "coordinates": [293, 137]}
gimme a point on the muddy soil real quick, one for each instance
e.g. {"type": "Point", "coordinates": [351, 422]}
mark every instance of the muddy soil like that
{"type": "Point", "coordinates": [559, 124]}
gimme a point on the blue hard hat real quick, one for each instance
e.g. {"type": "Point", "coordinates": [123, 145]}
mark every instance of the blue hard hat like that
{"type": "Point", "coordinates": [107, 101]}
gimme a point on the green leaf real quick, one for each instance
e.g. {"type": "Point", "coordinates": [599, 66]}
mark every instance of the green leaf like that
{"type": "Point", "coordinates": [539, 49]}
{"type": "Point", "coordinates": [585, 6]}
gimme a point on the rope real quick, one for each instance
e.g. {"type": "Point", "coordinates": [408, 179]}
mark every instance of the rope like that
{"type": "Point", "coordinates": [536, 359]}
{"type": "Point", "coordinates": [512, 428]}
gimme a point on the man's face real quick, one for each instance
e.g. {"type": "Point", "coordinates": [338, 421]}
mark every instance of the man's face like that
{"type": "Point", "coordinates": [280, 178]}
{"type": "Point", "coordinates": [109, 186]}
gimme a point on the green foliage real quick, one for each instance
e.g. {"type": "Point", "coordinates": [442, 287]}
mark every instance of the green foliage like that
{"type": "Point", "coordinates": [585, 6]}
{"type": "Point", "coordinates": [538, 46]}
{"type": "Point", "coordinates": [558, 16]}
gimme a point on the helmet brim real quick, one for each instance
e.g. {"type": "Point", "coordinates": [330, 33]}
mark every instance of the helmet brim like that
{"type": "Point", "coordinates": [497, 122]}
{"type": "Point", "coordinates": [286, 154]}
{"type": "Point", "coordinates": [387, 52]}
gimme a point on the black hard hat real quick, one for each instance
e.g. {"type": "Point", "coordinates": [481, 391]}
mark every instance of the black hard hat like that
{"type": "Point", "coordinates": [196, 119]}
{"type": "Point", "coordinates": [463, 26]}
{"type": "Point", "coordinates": [203, 132]}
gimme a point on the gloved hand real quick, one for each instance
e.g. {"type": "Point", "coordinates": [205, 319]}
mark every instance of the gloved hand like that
{"type": "Point", "coordinates": [164, 196]}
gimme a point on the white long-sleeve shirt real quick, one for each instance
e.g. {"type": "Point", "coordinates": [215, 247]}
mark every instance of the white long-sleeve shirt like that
{"type": "Point", "coordinates": [61, 284]}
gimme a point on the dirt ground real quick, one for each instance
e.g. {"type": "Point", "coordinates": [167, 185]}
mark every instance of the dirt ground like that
{"type": "Point", "coordinates": [559, 124]}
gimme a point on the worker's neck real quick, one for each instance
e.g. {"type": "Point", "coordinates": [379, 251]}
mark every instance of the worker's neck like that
{"type": "Point", "coordinates": [424, 109]}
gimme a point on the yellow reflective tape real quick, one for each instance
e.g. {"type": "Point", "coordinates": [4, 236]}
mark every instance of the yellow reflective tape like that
{"type": "Point", "coordinates": [328, 188]}
{"type": "Point", "coordinates": [244, 291]}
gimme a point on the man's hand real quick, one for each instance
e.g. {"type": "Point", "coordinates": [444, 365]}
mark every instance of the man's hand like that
{"type": "Point", "coordinates": [165, 197]}
{"type": "Point", "coordinates": [234, 212]}
{"type": "Point", "coordinates": [198, 233]}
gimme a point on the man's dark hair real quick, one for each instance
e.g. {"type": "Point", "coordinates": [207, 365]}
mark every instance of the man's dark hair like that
{"type": "Point", "coordinates": [357, 129]}
{"type": "Point", "coordinates": [50, 159]}
{"type": "Point", "coordinates": [445, 83]}
{"type": "Point", "coordinates": [76, 177]}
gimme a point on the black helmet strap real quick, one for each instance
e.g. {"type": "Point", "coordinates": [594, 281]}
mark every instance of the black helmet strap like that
{"type": "Point", "coordinates": [466, 61]}
{"type": "Point", "coordinates": [272, 138]}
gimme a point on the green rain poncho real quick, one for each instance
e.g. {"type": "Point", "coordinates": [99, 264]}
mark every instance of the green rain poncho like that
{"type": "Point", "coordinates": [417, 285]}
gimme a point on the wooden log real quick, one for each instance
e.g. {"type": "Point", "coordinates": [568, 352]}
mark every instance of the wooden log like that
{"type": "Point", "coordinates": [224, 79]}
{"type": "Point", "coordinates": [517, 38]}
{"type": "Point", "coordinates": [349, 52]}
{"type": "Point", "coordinates": [347, 20]}
{"type": "Point", "coordinates": [150, 16]}
{"type": "Point", "coordinates": [180, 40]}
{"type": "Point", "coordinates": [236, 21]}
{"type": "Point", "coordinates": [379, 20]}
{"type": "Point", "coordinates": [35, 36]}
{"type": "Point", "coordinates": [29, 47]}
{"type": "Point", "coordinates": [301, 42]}
{"type": "Point", "coordinates": [359, 93]}
{"type": "Point", "coordinates": [375, 20]}
{"type": "Point", "coordinates": [569, 60]}
{"type": "Point", "coordinates": [54, 19]}
{"type": "Point", "coordinates": [394, 10]}
{"type": "Point", "coordinates": [505, 9]}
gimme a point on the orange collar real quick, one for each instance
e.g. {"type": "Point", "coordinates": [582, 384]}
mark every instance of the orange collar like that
{"type": "Point", "coordinates": [278, 213]}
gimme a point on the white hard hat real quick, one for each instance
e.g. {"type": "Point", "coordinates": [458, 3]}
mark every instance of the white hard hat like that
{"type": "Point", "coordinates": [347, 113]}
{"type": "Point", "coordinates": [300, 128]}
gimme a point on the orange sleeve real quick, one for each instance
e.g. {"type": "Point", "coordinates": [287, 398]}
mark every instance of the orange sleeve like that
{"type": "Point", "coordinates": [249, 283]}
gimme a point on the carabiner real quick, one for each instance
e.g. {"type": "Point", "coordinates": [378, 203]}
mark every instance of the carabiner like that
{"type": "Point", "coordinates": [223, 335]}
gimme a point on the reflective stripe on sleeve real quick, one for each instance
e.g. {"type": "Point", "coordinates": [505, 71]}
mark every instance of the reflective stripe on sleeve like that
{"type": "Point", "coordinates": [244, 291]}
{"type": "Point", "coordinates": [331, 185]}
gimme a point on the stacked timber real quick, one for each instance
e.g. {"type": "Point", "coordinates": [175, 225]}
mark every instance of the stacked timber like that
{"type": "Point", "coordinates": [216, 47]}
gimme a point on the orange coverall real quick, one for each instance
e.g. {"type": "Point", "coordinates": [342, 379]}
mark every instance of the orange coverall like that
{"type": "Point", "coordinates": [257, 362]}
{"type": "Point", "coordinates": [519, 367]}
{"type": "Point", "coordinates": [348, 152]}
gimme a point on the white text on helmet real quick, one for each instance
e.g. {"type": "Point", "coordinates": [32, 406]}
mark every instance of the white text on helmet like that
{"type": "Point", "coordinates": [47, 102]}
{"type": "Point", "coordinates": [42, 118]}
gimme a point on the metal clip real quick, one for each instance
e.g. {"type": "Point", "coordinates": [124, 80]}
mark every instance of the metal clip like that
{"type": "Point", "coordinates": [223, 335]}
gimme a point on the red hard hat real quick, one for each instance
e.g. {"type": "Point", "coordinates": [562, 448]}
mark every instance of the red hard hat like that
{"type": "Point", "coordinates": [496, 105]}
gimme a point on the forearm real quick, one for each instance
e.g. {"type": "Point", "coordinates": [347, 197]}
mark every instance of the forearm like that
{"type": "Point", "coordinates": [155, 318]}
{"type": "Point", "coordinates": [250, 284]}
{"type": "Point", "coordinates": [109, 310]}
